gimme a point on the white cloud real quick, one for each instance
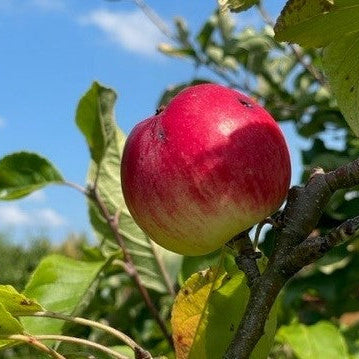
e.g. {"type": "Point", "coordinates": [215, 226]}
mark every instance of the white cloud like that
{"type": "Point", "coordinates": [12, 214]}
{"type": "Point", "coordinates": [133, 31]}
{"type": "Point", "coordinates": [47, 217]}
{"type": "Point", "coordinates": [49, 5]}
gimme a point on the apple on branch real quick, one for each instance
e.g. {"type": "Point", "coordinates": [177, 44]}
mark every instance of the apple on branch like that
{"type": "Point", "coordinates": [210, 165]}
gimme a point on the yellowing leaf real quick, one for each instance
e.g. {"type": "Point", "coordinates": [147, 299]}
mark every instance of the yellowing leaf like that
{"type": "Point", "coordinates": [17, 304]}
{"type": "Point", "coordinates": [316, 23]}
{"type": "Point", "coordinates": [207, 312]}
{"type": "Point", "coordinates": [190, 308]}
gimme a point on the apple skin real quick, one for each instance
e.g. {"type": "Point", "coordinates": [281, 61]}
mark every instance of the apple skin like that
{"type": "Point", "coordinates": [212, 164]}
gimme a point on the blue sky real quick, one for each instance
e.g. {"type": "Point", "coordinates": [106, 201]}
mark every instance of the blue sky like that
{"type": "Point", "coordinates": [51, 51]}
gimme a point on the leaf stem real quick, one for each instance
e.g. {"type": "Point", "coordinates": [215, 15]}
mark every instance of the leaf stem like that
{"type": "Point", "coordinates": [34, 342]}
{"type": "Point", "coordinates": [68, 339]}
{"type": "Point", "coordinates": [116, 333]}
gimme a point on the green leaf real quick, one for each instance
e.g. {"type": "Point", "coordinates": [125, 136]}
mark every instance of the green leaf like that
{"type": "Point", "coordinates": [59, 284]}
{"type": "Point", "coordinates": [169, 50]}
{"type": "Point", "coordinates": [207, 312]}
{"type": "Point", "coordinates": [8, 325]}
{"type": "Point", "coordinates": [316, 23]}
{"type": "Point", "coordinates": [95, 118]}
{"type": "Point", "coordinates": [321, 341]}
{"type": "Point", "coordinates": [22, 173]}
{"type": "Point", "coordinates": [17, 304]}
{"type": "Point", "coordinates": [340, 63]}
{"type": "Point", "coordinates": [236, 5]}
{"type": "Point", "coordinates": [205, 34]}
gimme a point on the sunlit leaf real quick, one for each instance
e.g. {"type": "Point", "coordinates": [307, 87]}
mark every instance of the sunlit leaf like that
{"type": "Point", "coordinates": [95, 118]}
{"type": "Point", "coordinates": [22, 173]}
{"type": "Point", "coordinates": [15, 303]}
{"type": "Point", "coordinates": [316, 23]}
{"type": "Point", "coordinates": [322, 340]}
{"type": "Point", "coordinates": [341, 65]}
{"type": "Point", "coordinates": [237, 5]}
{"type": "Point", "coordinates": [8, 325]}
{"type": "Point", "coordinates": [59, 284]}
{"type": "Point", "coordinates": [169, 50]}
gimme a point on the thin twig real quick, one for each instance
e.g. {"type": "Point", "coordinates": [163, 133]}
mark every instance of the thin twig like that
{"type": "Point", "coordinates": [32, 341]}
{"type": "Point", "coordinates": [130, 267]}
{"type": "Point", "coordinates": [116, 333]}
{"type": "Point", "coordinates": [88, 343]}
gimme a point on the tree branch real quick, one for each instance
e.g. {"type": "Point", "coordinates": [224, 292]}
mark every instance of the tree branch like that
{"type": "Point", "coordinates": [293, 249]}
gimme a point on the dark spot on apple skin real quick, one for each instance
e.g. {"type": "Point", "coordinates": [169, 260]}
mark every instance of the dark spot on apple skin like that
{"type": "Point", "coordinates": [352, 89]}
{"type": "Point", "coordinates": [347, 77]}
{"type": "Point", "coordinates": [186, 292]}
{"type": "Point", "coordinates": [231, 328]}
{"type": "Point", "coordinates": [245, 103]}
{"type": "Point", "coordinates": [161, 135]}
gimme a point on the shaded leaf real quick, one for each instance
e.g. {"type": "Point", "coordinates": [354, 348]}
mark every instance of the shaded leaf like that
{"type": "Point", "coordinates": [95, 118]}
{"type": "Point", "coordinates": [205, 34]}
{"type": "Point", "coordinates": [22, 173]}
{"type": "Point", "coordinates": [340, 63]}
{"type": "Point", "coordinates": [321, 341]}
{"type": "Point", "coordinates": [17, 304]}
{"type": "Point", "coordinates": [59, 284]}
{"type": "Point", "coordinates": [316, 23]}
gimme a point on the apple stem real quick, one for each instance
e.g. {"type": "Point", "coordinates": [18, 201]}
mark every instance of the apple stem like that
{"type": "Point", "coordinates": [294, 249]}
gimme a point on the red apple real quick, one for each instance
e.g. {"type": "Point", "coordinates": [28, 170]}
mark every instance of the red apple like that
{"type": "Point", "coordinates": [212, 164]}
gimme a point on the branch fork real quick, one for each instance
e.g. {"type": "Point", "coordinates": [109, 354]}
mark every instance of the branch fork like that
{"type": "Point", "coordinates": [295, 248]}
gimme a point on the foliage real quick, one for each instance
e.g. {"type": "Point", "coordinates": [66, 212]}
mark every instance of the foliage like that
{"type": "Point", "coordinates": [128, 282]}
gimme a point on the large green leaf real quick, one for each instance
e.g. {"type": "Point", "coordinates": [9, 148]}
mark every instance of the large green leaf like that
{"type": "Point", "coordinates": [59, 284]}
{"type": "Point", "coordinates": [15, 303]}
{"type": "Point", "coordinates": [22, 173]}
{"type": "Point", "coordinates": [95, 118]}
{"type": "Point", "coordinates": [320, 341]}
{"type": "Point", "coordinates": [341, 65]}
{"type": "Point", "coordinates": [207, 312]}
{"type": "Point", "coordinates": [147, 257]}
{"type": "Point", "coordinates": [316, 23]}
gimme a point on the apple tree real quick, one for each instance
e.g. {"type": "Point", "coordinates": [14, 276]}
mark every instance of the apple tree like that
{"type": "Point", "coordinates": [291, 292]}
